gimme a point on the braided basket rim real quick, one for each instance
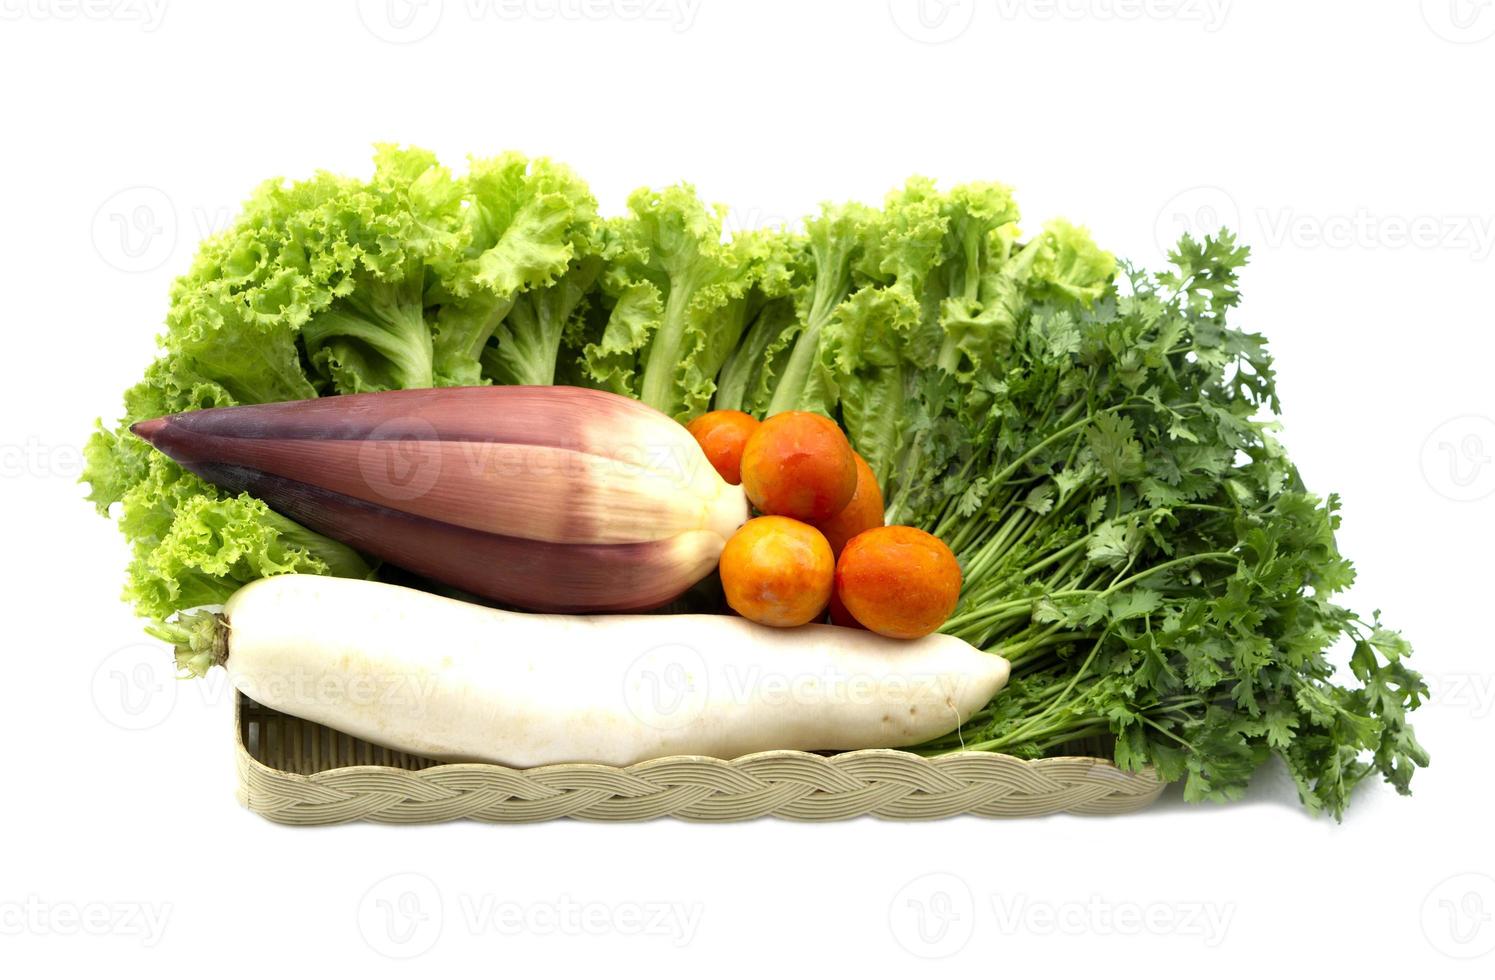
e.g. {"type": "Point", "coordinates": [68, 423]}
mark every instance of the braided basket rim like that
{"type": "Point", "coordinates": [789, 784]}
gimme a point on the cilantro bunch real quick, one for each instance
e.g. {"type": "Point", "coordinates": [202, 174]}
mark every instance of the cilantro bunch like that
{"type": "Point", "coordinates": [1140, 547]}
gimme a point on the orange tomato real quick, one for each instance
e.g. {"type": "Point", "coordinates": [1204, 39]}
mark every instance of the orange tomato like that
{"type": "Point", "coordinates": [898, 581]}
{"type": "Point", "coordinates": [722, 434]}
{"type": "Point", "coordinates": [799, 465]}
{"type": "Point", "coordinates": [777, 571]}
{"type": "Point", "coordinates": [839, 615]}
{"type": "Point", "coordinates": [861, 513]}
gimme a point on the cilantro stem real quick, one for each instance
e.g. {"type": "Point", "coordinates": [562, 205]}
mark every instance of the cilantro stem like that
{"type": "Point", "coordinates": [1026, 728]}
{"type": "Point", "coordinates": [1048, 560]}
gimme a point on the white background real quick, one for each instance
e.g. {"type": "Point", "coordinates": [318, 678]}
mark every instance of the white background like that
{"type": "Point", "coordinates": [1348, 141]}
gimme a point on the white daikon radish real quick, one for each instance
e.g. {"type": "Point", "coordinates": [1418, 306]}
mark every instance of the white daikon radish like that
{"type": "Point", "coordinates": [460, 682]}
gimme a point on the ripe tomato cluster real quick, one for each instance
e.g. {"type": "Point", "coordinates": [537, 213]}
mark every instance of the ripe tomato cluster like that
{"type": "Point", "coordinates": [820, 543]}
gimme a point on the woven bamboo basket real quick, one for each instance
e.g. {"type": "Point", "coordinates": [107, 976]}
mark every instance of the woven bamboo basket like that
{"type": "Point", "coordinates": [297, 772]}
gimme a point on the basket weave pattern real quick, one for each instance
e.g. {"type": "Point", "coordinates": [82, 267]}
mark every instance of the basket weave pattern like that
{"type": "Point", "coordinates": [297, 772]}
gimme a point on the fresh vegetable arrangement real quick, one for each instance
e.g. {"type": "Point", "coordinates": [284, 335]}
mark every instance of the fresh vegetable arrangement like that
{"type": "Point", "coordinates": [945, 425]}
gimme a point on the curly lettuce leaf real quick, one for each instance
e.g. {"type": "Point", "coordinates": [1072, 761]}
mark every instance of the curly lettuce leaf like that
{"type": "Point", "coordinates": [378, 239]}
{"type": "Point", "coordinates": [880, 339]}
{"type": "Point", "coordinates": [190, 544]}
{"type": "Point", "coordinates": [907, 242]}
{"type": "Point", "coordinates": [866, 352]}
{"type": "Point", "coordinates": [1071, 265]}
{"type": "Point", "coordinates": [679, 300]}
{"type": "Point", "coordinates": [527, 223]}
{"type": "Point", "coordinates": [318, 286]}
{"type": "Point", "coordinates": [976, 286]}
{"type": "Point", "coordinates": [531, 336]}
{"type": "Point", "coordinates": [834, 242]}
{"type": "Point", "coordinates": [193, 547]}
{"type": "Point", "coordinates": [745, 382]}
{"type": "Point", "coordinates": [747, 377]}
